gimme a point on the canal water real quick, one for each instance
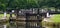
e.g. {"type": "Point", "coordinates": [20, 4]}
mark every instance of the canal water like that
{"type": "Point", "coordinates": [20, 25]}
{"type": "Point", "coordinates": [7, 25]}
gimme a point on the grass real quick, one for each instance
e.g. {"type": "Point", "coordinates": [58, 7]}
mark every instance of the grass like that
{"type": "Point", "coordinates": [56, 18]}
{"type": "Point", "coordinates": [2, 15]}
{"type": "Point", "coordinates": [56, 21]}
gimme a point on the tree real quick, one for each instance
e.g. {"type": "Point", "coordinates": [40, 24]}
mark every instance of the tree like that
{"type": "Point", "coordinates": [29, 3]}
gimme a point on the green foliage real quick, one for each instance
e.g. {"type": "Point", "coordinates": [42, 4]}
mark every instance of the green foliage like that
{"type": "Point", "coordinates": [56, 18]}
{"type": "Point", "coordinates": [28, 3]}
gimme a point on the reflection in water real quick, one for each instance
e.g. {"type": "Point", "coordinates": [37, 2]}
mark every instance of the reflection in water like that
{"type": "Point", "coordinates": [8, 25]}
{"type": "Point", "coordinates": [13, 25]}
{"type": "Point", "coordinates": [5, 26]}
{"type": "Point", "coordinates": [20, 25]}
